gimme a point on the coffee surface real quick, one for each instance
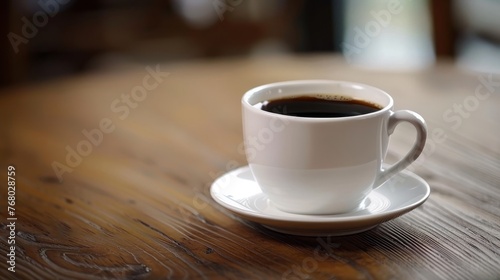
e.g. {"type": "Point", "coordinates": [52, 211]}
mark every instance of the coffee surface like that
{"type": "Point", "coordinates": [317, 107]}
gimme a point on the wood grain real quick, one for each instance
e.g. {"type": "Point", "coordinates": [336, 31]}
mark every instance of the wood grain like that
{"type": "Point", "coordinates": [138, 206]}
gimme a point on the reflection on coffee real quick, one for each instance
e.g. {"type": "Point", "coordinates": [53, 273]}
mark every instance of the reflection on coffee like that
{"type": "Point", "coordinates": [318, 106]}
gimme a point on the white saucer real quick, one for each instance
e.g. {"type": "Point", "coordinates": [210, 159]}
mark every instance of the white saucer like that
{"type": "Point", "coordinates": [239, 193]}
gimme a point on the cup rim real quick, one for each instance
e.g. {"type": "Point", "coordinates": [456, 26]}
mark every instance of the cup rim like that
{"type": "Point", "coordinates": [246, 103]}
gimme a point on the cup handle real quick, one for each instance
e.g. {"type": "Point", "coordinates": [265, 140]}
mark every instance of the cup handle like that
{"type": "Point", "coordinates": [418, 122]}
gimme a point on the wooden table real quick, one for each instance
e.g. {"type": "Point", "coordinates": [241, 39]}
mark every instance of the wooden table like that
{"type": "Point", "coordinates": [113, 172]}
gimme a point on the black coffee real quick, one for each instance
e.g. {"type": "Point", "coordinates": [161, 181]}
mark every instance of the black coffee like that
{"type": "Point", "coordinates": [318, 107]}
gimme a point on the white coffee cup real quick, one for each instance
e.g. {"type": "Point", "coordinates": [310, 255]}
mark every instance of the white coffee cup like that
{"type": "Point", "coordinates": [312, 165]}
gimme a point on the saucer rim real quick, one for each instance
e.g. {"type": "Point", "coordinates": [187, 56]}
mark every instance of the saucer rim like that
{"type": "Point", "coordinates": [320, 219]}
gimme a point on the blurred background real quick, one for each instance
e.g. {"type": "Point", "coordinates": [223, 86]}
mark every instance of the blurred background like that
{"type": "Point", "coordinates": [47, 39]}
